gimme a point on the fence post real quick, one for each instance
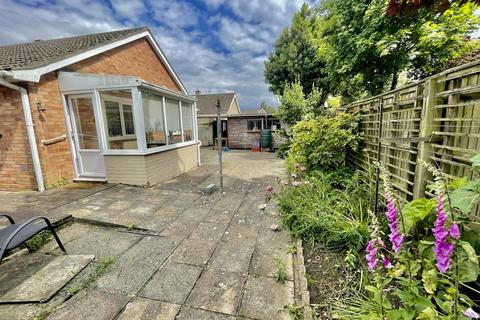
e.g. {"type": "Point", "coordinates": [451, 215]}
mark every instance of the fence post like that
{"type": "Point", "coordinates": [426, 129]}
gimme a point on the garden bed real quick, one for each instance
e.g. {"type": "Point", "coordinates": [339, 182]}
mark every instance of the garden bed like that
{"type": "Point", "coordinates": [328, 278]}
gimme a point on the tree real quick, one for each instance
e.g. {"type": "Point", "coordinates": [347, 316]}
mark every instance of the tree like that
{"type": "Point", "coordinates": [366, 49]}
{"type": "Point", "coordinates": [269, 109]}
{"type": "Point", "coordinates": [297, 56]}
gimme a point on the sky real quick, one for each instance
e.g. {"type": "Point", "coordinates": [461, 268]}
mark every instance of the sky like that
{"type": "Point", "coordinates": [213, 45]}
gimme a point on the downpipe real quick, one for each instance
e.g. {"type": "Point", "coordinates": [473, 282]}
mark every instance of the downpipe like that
{"type": "Point", "coordinates": [27, 113]}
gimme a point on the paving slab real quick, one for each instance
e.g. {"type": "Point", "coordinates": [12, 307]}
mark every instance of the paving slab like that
{"type": "Point", "coordinates": [193, 214]}
{"type": "Point", "coordinates": [209, 231]}
{"type": "Point", "coordinates": [194, 252]}
{"type": "Point", "coordinates": [232, 257]}
{"type": "Point", "coordinates": [18, 269]}
{"type": "Point", "coordinates": [47, 281]}
{"type": "Point", "coordinates": [219, 216]}
{"type": "Point", "coordinates": [101, 242]}
{"type": "Point", "coordinates": [265, 299]}
{"type": "Point", "coordinates": [172, 283]}
{"type": "Point", "coordinates": [20, 311]}
{"type": "Point", "coordinates": [263, 261]}
{"type": "Point", "coordinates": [188, 313]}
{"type": "Point", "coordinates": [179, 230]}
{"type": "Point", "coordinates": [146, 309]}
{"type": "Point", "coordinates": [94, 305]}
{"type": "Point", "coordinates": [229, 202]}
{"type": "Point", "coordinates": [137, 265]}
{"type": "Point", "coordinates": [218, 291]}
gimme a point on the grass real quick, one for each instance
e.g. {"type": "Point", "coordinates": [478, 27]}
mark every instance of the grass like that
{"type": "Point", "coordinates": [295, 312]}
{"type": "Point", "coordinates": [130, 226]}
{"type": "Point", "coordinates": [38, 241]}
{"type": "Point", "coordinates": [281, 269]}
{"type": "Point", "coordinates": [103, 265]}
{"type": "Point", "coordinates": [292, 248]}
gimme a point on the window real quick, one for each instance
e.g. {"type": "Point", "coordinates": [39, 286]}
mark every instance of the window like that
{"type": "Point", "coordinates": [187, 119]}
{"type": "Point", "coordinates": [254, 125]}
{"type": "Point", "coordinates": [172, 110]}
{"type": "Point", "coordinates": [273, 124]}
{"type": "Point", "coordinates": [119, 119]}
{"type": "Point", "coordinates": [154, 119]}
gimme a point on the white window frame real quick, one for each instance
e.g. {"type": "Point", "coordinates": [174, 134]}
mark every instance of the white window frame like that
{"type": "Point", "coordinates": [255, 119]}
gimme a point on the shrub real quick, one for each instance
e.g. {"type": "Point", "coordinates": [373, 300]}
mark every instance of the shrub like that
{"type": "Point", "coordinates": [322, 143]}
{"type": "Point", "coordinates": [321, 210]}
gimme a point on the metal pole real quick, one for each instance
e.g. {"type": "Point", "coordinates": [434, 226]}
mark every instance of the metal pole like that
{"type": "Point", "coordinates": [219, 144]}
{"type": "Point", "coordinates": [379, 146]}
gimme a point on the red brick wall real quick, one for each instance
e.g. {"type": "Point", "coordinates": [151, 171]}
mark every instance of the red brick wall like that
{"type": "Point", "coordinates": [137, 58]}
{"type": "Point", "coordinates": [238, 136]}
{"type": "Point", "coordinates": [16, 169]}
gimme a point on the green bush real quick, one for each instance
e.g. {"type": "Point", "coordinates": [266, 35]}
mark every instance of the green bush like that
{"type": "Point", "coordinates": [324, 210]}
{"type": "Point", "coordinates": [322, 143]}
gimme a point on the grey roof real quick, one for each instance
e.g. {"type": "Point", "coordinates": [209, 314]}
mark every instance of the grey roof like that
{"type": "Point", "coordinates": [206, 102]}
{"type": "Point", "coordinates": [39, 53]}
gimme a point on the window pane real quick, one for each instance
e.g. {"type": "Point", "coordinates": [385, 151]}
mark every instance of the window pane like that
{"type": "Point", "coordinates": [85, 123]}
{"type": "Point", "coordinates": [187, 121]}
{"type": "Point", "coordinates": [112, 111]}
{"type": "Point", "coordinates": [254, 125]}
{"type": "Point", "coordinates": [153, 117]}
{"type": "Point", "coordinates": [173, 121]}
{"type": "Point", "coordinates": [128, 118]}
{"type": "Point", "coordinates": [119, 119]}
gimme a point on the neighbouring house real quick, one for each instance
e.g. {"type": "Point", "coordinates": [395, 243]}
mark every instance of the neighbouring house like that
{"type": "Point", "coordinates": [207, 114]}
{"type": "Point", "coordinates": [244, 129]}
{"type": "Point", "coordinates": [99, 107]}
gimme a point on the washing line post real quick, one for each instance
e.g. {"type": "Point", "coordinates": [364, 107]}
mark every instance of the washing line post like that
{"type": "Point", "coordinates": [219, 145]}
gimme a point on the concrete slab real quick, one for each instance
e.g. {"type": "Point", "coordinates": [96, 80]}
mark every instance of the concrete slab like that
{"type": "Point", "coordinates": [193, 214]}
{"type": "Point", "coordinates": [209, 231]}
{"type": "Point", "coordinates": [263, 263]}
{"type": "Point", "coordinates": [137, 265]}
{"type": "Point", "coordinates": [231, 257]}
{"type": "Point", "coordinates": [20, 311]}
{"type": "Point", "coordinates": [146, 309]}
{"type": "Point", "coordinates": [101, 242]}
{"type": "Point", "coordinates": [47, 281]}
{"type": "Point", "coordinates": [217, 291]}
{"type": "Point", "coordinates": [172, 283]}
{"type": "Point", "coordinates": [179, 230]}
{"type": "Point", "coordinates": [264, 299]}
{"type": "Point", "coordinates": [188, 313]}
{"type": "Point", "coordinates": [93, 304]}
{"type": "Point", "coordinates": [194, 252]}
{"type": "Point", "coordinates": [218, 216]}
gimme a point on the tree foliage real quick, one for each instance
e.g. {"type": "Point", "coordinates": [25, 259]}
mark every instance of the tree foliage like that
{"type": "Point", "coordinates": [352, 48]}
{"type": "Point", "coordinates": [297, 56]}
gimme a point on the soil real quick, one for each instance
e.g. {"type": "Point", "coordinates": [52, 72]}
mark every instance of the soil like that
{"type": "Point", "coordinates": [329, 279]}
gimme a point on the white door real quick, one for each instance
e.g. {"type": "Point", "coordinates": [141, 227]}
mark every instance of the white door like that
{"type": "Point", "coordinates": [88, 156]}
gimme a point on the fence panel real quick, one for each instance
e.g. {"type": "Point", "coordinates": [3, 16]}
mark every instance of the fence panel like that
{"type": "Point", "coordinates": [437, 119]}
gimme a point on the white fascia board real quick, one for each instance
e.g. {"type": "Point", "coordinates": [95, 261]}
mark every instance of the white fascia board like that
{"type": "Point", "coordinates": [33, 75]}
{"type": "Point", "coordinates": [165, 91]}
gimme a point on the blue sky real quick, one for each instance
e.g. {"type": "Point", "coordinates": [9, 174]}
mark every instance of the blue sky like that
{"type": "Point", "coordinates": [214, 45]}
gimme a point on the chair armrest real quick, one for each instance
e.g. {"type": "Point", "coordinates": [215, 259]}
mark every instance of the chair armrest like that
{"type": "Point", "coordinates": [8, 217]}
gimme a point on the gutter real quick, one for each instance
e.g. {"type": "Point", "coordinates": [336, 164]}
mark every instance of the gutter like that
{"type": "Point", "coordinates": [27, 113]}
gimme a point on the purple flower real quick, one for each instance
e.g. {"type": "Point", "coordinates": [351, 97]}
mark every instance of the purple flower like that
{"type": "Point", "coordinates": [442, 248]}
{"type": "Point", "coordinates": [392, 217]}
{"type": "Point", "coordinates": [386, 263]}
{"type": "Point", "coordinates": [454, 231]}
{"type": "Point", "coordinates": [371, 255]}
{"type": "Point", "coordinates": [296, 183]}
{"type": "Point", "coordinates": [471, 314]}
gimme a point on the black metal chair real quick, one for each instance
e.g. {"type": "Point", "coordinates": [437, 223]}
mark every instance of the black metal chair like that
{"type": "Point", "coordinates": [15, 234]}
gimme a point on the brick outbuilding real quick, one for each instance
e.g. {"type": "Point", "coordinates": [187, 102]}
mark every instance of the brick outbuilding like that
{"type": "Point", "coordinates": [101, 107]}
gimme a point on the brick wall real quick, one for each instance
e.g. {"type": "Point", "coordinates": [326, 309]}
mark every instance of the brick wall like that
{"type": "Point", "coordinates": [16, 170]}
{"type": "Point", "coordinates": [134, 59]}
{"type": "Point", "coordinates": [238, 136]}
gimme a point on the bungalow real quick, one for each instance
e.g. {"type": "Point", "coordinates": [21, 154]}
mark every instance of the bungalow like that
{"type": "Point", "coordinates": [207, 114]}
{"type": "Point", "coordinates": [99, 107]}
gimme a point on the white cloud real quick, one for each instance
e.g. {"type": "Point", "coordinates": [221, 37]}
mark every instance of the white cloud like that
{"type": "Point", "coordinates": [228, 57]}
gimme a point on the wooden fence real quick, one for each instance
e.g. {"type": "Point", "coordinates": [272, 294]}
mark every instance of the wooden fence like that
{"type": "Point", "coordinates": [436, 120]}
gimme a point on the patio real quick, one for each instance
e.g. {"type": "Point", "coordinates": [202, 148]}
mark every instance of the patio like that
{"type": "Point", "coordinates": [176, 254]}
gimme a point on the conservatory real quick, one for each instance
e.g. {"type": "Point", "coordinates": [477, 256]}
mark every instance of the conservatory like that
{"type": "Point", "coordinates": [125, 130]}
